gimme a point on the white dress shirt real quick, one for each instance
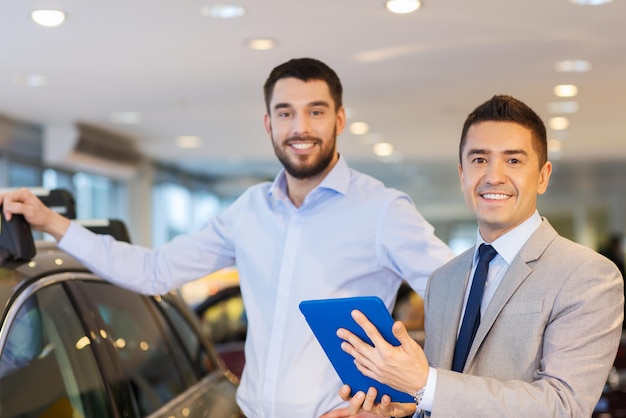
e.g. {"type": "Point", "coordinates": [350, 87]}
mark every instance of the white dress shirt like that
{"type": "Point", "coordinates": [351, 236]}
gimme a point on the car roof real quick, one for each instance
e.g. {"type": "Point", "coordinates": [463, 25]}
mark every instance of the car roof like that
{"type": "Point", "coordinates": [49, 259]}
{"type": "Point", "coordinates": [24, 260]}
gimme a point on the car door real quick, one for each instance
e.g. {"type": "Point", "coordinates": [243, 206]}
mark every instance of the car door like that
{"type": "Point", "coordinates": [48, 366]}
{"type": "Point", "coordinates": [75, 346]}
{"type": "Point", "coordinates": [171, 372]}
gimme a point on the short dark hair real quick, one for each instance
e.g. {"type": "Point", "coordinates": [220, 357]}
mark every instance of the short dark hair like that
{"type": "Point", "coordinates": [305, 69]}
{"type": "Point", "coordinates": [502, 108]}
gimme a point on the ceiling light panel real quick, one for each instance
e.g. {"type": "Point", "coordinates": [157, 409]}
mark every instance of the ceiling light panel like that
{"type": "Point", "coordinates": [402, 6]}
{"type": "Point", "coordinates": [565, 90]}
{"type": "Point", "coordinates": [359, 128]}
{"type": "Point", "coordinates": [558, 123]}
{"type": "Point", "coordinates": [125, 118]}
{"type": "Point", "coordinates": [261, 44]}
{"type": "Point", "coordinates": [223, 11]}
{"type": "Point", "coordinates": [589, 2]}
{"type": "Point", "coordinates": [569, 106]}
{"type": "Point", "coordinates": [572, 66]}
{"type": "Point", "coordinates": [554, 145]}
{"type": "Point", "coordinates": [48, 18]}
{"type": "Point", "coordinates": [188, 141]}
{"type": "Point", "coordinates": [31, 80]}
{"type": "Point", "coordinates": [383, 149]}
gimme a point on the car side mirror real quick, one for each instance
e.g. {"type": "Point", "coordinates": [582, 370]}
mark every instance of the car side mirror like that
{"type": "Point", "coordinates": [16, 239]}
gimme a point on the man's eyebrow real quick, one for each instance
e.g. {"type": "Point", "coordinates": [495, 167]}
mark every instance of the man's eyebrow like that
{"type": "Point", "coordinates": [515, 152]}
{"type": "Point", "coordinates": [481, 151]}
{"type": "Point", "coordinates": [281, 106]}
{"type": "Point", "coordinates": [476, 151]}
{"type": "Point", "coordinates": [323, 103]}
{"type": "Point", "coordinates": [316, 103]}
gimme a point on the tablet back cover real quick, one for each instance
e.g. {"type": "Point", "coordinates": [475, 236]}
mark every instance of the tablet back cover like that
{"type": "Point", "coordinates": [325, 316]}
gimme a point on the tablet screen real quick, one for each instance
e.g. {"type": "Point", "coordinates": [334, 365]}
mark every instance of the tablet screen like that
{"type": "Point", "coordinates": [325, 316]}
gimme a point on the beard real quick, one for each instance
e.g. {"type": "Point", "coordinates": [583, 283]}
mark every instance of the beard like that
{"type": "Point", "coordinates": [297, 166]}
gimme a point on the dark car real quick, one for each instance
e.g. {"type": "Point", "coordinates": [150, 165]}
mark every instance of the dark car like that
{"type": "Point", "coordinates": [74, 345]}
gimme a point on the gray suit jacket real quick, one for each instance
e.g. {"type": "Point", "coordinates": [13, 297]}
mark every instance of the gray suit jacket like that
{"type": "Point", "coordinates": [548, 338]}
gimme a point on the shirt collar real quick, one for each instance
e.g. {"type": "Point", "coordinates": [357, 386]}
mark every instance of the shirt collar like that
{"type": "Point", "coordinates": [338, 179]}
{"type": "Point", "coordinates": [509, 244]}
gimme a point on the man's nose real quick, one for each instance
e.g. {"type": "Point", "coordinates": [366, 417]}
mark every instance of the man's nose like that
{"type": "Point", "coordinates": [301, 125]}
{"type": "Point", "coordinates": [495, 173]}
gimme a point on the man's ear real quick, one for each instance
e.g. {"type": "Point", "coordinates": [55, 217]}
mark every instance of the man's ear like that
{"type": "Point", "coordinates": [341, 120]}
{"type": "Point", "coordinates": [268, 124]}
{"type": "Point", "coordinates": [544, 177]}
{"type": "Point", "coordinates": [460, 168]}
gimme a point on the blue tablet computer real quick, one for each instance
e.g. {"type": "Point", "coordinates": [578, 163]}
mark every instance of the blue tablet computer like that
{"type": "Point", "coordinates": [325, 316]}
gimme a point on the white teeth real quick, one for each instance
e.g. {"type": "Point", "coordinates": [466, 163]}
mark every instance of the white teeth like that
{"type": "Point", "coordinates": [302, 146]}
{"type": "Point", "coordinates": [495, 196]}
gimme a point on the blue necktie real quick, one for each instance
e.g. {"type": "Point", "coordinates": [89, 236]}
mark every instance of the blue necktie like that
{"type": "Point", "coordinates": [471, 319]}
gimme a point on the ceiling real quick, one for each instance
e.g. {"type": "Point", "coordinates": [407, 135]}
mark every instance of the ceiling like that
{"type": "Point", "coordinates": [413, 78]}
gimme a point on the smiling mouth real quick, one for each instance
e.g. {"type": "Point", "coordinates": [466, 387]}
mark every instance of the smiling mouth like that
{"type": "Point", "coordinates": [495, 196]}
{"type": "Point", "coordinates": [301, 145]}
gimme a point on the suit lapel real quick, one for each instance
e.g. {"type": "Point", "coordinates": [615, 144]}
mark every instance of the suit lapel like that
{"type": "Point", "coordinates": [518, 272]}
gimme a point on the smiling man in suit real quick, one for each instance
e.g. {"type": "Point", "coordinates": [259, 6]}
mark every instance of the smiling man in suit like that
{"type": "Point", "coordinates": [549, 315]}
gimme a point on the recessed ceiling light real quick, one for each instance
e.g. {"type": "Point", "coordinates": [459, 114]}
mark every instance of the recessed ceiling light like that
{"type": "Point", "coordinates": [555, 147]}
{"type": "Point", "coordinates": [359, 128]}
{"type": "Point", "coordinates": [558, 123]}
{"type": "Point", "coordinates": [402, 6]}
{"type": "Point", "coordinates": [188, 141]}
{"type": "Point", "coordinates": [570, 106]}
{"type": "Point", "coordinates": [223, 11]}
{"type": "Point", "coordinates": [33, 80]}
{"type": "Point", "coordinates": [48, 18]}
{"type": "Point", "coordinates": [565, 90]}
{"type": "Point", "coordinates": [589, 2]}
{"type": "Point", "coordinates": [125, 118]}
{"type": "Point", "coordinates": [572, 66]}
{"type": "Point", "coordinates": [383, 149]}
{"type": "Point", "coordinates": [261, 44]}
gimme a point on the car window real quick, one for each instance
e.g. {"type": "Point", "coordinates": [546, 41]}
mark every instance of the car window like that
{"type": "Point", "coordinates": [47, 366]}
{"type": "Point", "coordinates": [227, 320]}
{"type": "Point", "coordinates": [157, 370]}
{"type": "Point", "coordinates": [224, 320]}
{"type": "Point", "coordinates": [203, 361]}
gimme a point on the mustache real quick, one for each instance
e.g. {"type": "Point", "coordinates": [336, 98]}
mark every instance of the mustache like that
{"type": "Point", "coordinates": [300, 138]}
